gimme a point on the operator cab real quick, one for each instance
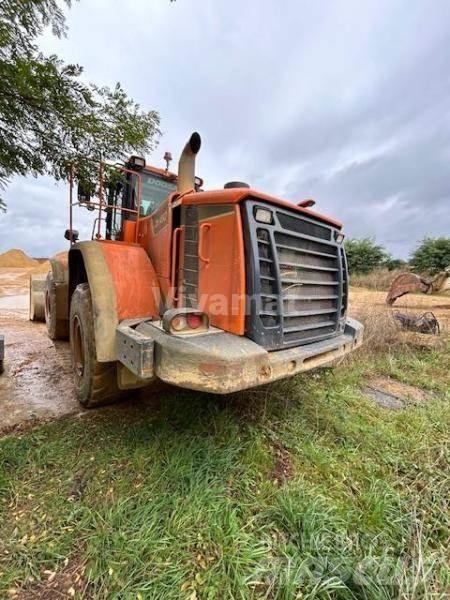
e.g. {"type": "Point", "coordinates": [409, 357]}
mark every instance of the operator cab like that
{"type": "Point", "coordinates": [142, 190]}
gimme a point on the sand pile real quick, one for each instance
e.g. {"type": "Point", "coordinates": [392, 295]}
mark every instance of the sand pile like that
{"type": "Point", "coordinates": [43, 267]}
{"type": "Point", "coordinates": [17, 259]}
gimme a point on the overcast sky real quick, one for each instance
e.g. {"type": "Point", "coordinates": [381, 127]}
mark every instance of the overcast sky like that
{"type": "Point", "coordinates": [345, 102]}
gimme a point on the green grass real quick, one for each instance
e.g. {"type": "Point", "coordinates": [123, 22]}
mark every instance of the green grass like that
{"type": "Point", "coordinates": [303, 489]}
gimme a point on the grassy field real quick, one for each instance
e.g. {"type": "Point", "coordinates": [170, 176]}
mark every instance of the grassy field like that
{"type": "Point", "coordinates": [304, 489]}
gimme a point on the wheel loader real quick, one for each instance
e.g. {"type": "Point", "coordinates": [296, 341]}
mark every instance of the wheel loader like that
{"type": "Point", "coordinates": [216, 291]}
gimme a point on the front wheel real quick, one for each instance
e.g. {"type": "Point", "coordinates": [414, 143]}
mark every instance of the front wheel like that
{"type": "Point", "coordinates": [95, 382]}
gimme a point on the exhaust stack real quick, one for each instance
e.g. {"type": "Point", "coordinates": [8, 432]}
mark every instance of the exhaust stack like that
{"type": "Point", "coordinates": [186, 164]}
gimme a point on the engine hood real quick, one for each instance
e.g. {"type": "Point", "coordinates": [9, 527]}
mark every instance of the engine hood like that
{"type": "Point", "coordinates": [237, 195]}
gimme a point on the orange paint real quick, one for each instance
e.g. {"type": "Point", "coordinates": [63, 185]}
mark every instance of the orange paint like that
{"type": "Point", "coordinates": [134, 279]}
{"type": "Point", "coordinates": [221, 286]}
{"type": "Point", "coordinates": [236, 195]}
{"type": "Point", "coordinates": [128, 231]}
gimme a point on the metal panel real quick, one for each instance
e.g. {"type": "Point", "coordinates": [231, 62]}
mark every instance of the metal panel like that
{"type": "Point", "coordinates": [135, 350]}
{"type": "Point", "coordinates": [296, 280]}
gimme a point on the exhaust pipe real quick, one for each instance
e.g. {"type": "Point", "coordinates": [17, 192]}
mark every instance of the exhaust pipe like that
{"type": "Point", "coordinates": [186, 164]}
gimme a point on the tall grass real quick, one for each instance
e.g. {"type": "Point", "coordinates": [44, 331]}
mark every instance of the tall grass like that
{"type": "Point", "coordinates": [379, 279]}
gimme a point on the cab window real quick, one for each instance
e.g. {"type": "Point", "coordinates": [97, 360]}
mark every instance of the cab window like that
{"type": "Point", "coordinates": [154, 191]}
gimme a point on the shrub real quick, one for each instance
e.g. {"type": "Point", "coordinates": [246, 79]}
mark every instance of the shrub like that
{"type": "Point", "coordinates": [364, 255]}
{"type": "Point", "coordinates": [432, 255]}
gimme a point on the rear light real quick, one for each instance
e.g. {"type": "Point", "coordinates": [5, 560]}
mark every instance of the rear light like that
{"type": "Point", "coordinates": [194, 321]}
{"type": "Point", "coordinates": [185, 321]}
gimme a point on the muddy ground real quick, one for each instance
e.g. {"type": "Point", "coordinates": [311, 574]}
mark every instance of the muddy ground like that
{"type": "Point", "coordinates": [37, 383]}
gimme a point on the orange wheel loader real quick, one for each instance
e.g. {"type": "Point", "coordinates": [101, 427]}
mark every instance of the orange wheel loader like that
{"type": "Point", "coordinates": [217, 291]}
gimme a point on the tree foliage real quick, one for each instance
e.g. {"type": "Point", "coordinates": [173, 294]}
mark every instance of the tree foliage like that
{"type": "Point", "coordinates": [49, 117]}
{"type": "Point", "coordinates": [432, 255]}
{"type": "Point", "coordinates": [364, 255]}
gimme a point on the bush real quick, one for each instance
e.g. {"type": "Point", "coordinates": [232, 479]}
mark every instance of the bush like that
{"type": "Point", "coordinates": [364, 255]}
{"type": "Point", "coordinates": [432, 255]}
{"type": "Point", "coordinates": [395, 263]}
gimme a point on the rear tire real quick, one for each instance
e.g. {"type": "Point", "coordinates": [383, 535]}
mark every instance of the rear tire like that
{"type": "Point", "coordinates": [57, 329]}
{"type": "Point", "coordinates": [95, 382]}
{"type": "Point", "coordinates": [37, 295]}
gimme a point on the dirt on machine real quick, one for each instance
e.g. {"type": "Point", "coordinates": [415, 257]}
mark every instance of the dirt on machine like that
{"type": "Point", "coordinates": [212, 290]}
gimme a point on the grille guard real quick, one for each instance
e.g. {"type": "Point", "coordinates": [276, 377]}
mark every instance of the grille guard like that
{"type": "Point", "coordinates": [319, 267]}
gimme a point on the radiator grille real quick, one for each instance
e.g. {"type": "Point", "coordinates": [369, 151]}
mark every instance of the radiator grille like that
{"type": "Point", "coordinates": [299, 280]}
{"type": "Point", "coordinates": [190, 257]}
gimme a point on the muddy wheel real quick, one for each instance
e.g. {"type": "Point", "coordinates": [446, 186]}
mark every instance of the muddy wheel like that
{"type": "Point", "coordinates": [37, 288]}
{"type": "Point", "coordinates": [95, 382]}
{"type": "Point", "coordinates": [57, 329]}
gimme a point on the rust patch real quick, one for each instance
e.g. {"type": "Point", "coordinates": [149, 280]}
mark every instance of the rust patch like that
{"type": "Point", "coordinates": [210, 369]}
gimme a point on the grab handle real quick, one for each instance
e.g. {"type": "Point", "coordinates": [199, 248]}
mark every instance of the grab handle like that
{"type": "Point", "coordinates": [203, 228]}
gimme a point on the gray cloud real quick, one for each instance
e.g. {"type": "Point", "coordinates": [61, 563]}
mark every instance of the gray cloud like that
{"type": "Point", "coordinates": [344, 101]}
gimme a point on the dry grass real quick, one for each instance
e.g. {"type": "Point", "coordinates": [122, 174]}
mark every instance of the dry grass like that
{"type": "Point", "coordinates": [382, 333]}
{"type": "Point", "coordinates": [378, 279]}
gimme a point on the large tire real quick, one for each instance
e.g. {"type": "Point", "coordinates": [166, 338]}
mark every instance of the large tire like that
{"type": "Point", "coordinates": [95, 382]}
{"type": "Point", "coordinates": [57, 329]}
{"type": "Point", "coordinates": [37, 294]}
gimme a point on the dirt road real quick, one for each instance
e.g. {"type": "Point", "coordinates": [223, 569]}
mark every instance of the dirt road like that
{"type": "Point", "coordinates": [37, 384]}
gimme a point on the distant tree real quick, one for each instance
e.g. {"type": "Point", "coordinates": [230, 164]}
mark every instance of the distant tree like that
{"type": "Point", "coordinates": [49, 118]}
{"type": "Point", "coordinates": [395, 263]}
{"type": "Point", "coordinates": [432, 255]}
{"type": "Point", "coordinates": [364, 255]}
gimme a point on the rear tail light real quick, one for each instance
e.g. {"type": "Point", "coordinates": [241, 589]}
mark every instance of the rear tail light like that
{"type": "Point", "coordinates": [194, 321]}
{"type": "Point", "coordinates": [185, 321]}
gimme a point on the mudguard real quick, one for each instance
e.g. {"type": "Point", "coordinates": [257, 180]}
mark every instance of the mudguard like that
{"type": "Point", "coordinates": [123, 285]}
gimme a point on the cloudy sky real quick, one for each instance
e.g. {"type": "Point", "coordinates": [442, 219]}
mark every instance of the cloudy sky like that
{"type": "Point", "coordinates": [347, 102]}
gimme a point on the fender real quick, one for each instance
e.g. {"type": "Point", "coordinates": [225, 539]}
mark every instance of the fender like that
{"type": "Point", "coordinates": [123, 285]}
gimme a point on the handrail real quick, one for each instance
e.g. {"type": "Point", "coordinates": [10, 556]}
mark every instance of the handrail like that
{"type": "Point", "coordinates": [101, 204]}
{"type": "Point", "coordinates": [203, 227]}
